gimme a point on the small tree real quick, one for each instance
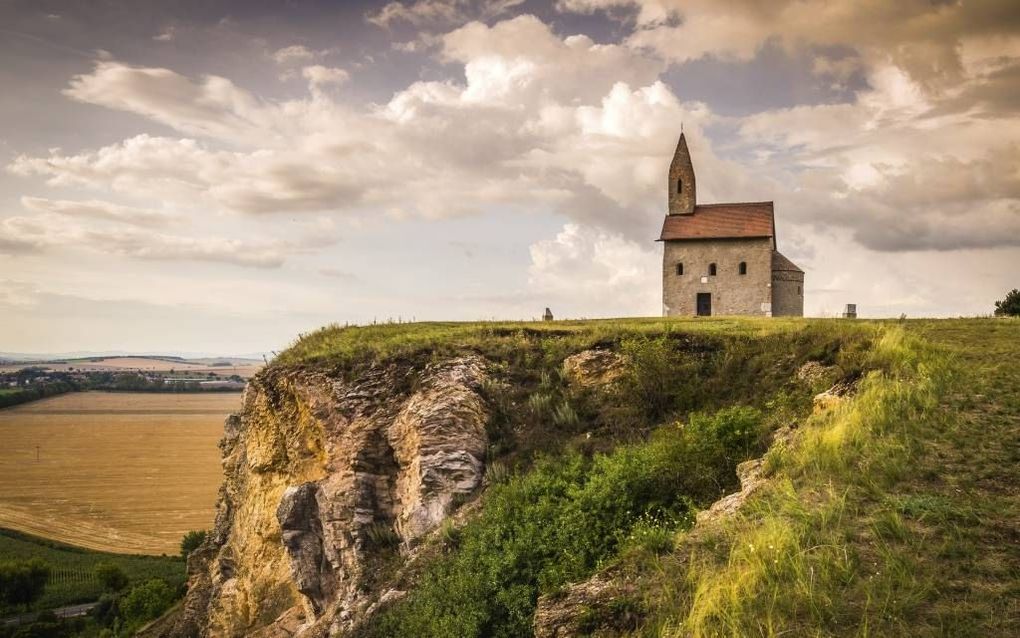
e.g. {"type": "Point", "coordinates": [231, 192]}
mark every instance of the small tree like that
{"type": "Point", "coordinates": [147, 601]}
{"type": "Point", "coordinates": [23, 582]}
{"type": "Point", "coordinates": [111, 577]}
{"type": "Point", "coordinates": [1010, 306]}
{"type": "Point", "coordinates": [191, 541]}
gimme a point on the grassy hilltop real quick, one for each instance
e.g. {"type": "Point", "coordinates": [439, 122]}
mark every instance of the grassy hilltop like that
{"type": "Point", "coordinates": [894, 512]}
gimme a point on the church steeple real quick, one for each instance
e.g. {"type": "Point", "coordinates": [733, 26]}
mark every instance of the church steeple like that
{"type": "Point", "coordinates": [682, 193]}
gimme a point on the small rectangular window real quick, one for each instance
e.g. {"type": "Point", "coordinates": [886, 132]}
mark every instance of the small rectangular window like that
{"type": "Point", "coordinates": [743, 268]}
{"type": "Point", "coordinates": [680, 268]}
{"type": "Point", "coordinates": [711, 270]}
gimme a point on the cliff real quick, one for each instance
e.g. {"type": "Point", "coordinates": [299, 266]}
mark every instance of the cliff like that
{"type": "Point", "coordinates": [355, 448]}
{"type": "Point", "coordinates": [323, 474]}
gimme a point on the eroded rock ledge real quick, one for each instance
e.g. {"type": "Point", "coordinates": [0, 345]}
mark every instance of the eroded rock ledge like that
{"type": "Point", "coordinates": [319, 469]}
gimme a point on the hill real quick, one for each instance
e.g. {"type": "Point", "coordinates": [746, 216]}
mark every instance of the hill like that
{"type": "Point", "coordinates": [632, 477]}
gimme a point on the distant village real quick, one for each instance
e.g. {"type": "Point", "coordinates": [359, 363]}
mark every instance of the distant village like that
{"type": "Point", "coordinates": [29, 381]}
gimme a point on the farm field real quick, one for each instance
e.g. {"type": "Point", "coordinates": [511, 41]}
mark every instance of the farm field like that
{"type": "Point", "coordinates": [117, 472]}
{"type": "Point", "coordinates": [242, 367]}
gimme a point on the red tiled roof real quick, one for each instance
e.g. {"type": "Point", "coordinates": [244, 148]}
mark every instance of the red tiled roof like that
{"type": "Point", "coordinates": [780, 262]}
{"type": "Point", "coordinates": [721, 221]}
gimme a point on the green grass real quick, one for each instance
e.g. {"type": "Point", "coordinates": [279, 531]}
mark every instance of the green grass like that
{"type": "Point", "coordinates": [72, 577]}
{"type": "Point", "coordinates": [348, 346]}
{"type": "Point", "coordinates": [892, 515]}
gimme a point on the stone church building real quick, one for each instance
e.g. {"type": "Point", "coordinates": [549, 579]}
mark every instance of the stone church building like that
{"type": "Point", "coordinates": [721, 259]}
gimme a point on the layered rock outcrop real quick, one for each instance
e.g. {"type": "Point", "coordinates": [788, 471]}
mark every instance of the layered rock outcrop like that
{"type": "Point", "coordinates": [321, 474]}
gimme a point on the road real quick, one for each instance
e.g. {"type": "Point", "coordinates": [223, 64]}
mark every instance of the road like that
{"type": "Point", "coordinates": [62, 612]}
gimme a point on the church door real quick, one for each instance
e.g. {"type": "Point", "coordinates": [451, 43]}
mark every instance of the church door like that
{"type": "Point", "coordinates": [704, 304]}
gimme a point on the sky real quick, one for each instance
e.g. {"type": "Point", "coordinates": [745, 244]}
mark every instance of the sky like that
{"type": "Point", "coordinates": [220, 177]}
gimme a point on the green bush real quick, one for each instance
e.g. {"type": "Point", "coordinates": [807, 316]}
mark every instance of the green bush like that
{"type": "Point", "coordinates": [111, 577]}
{"type": "Point", "coordinates": [147, 601]}
{"type": "Point", "coordinates": [22, 582]}
{"type": "Point", "coordinates": [191, 541]}
{"type": "Point", "coordinates": [660, 379]}
{"type": "Point", "coordinates": [561, 521]}
{"type": "Point", "coordinates": [1010, 305]}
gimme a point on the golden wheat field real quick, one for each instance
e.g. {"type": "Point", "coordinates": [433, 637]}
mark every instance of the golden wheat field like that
{"type": "Point", "coordinates": [122, 472]}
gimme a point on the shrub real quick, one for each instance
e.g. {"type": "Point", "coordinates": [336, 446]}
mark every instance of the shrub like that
{"type": "Point", "coordinates": [147, 601]}
{"type": "Point", "coordinates": [191, 541]}
{"type": "Point", "coordinates": [564, 519]}
{"type": "Point", "coordinates": [659, 380]}
{"type": "Point", "coordinates": [381, 535]}
{"type": "Point", "coordinates": [1010, 305]}
{"type": "Point", "coordinates": [111, 577]}
{"type": "Point", "coordinates": [564, 416]}
{"type": "Point", "coordinates": [22, 582]}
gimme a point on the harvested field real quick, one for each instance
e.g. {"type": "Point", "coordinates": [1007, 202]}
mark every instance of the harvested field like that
{"type": "Point", "coordinates": [120, 472]}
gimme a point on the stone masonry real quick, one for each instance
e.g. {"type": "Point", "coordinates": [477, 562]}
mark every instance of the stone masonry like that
{"type": "Point", "coordinates": [721, 259]}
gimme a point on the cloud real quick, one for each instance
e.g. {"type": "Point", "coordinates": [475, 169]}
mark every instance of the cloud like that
{"type": "Point", "coordinates": [589, 272]}
{"type": "Point", "coordinates": [166, 35]}
{"type": "Point", "coordinates": [563, 124]}
{"type": "Point", "coordinates": [292, 54]}
{"type": "Point", "coordinates": [18, 293]}
{"type": "Point", "coordinates": [439, 13]}
{"type": "Point", "coordinates": [212, 106]}
{"type": "Point", "coordinates": [47, 230]}
{"type": "Point", "coordinates": [541, 121]}
{"type": "Point", "coordinates": [97, 209]}
{"type": "Point", "coordinates": [319, 76]}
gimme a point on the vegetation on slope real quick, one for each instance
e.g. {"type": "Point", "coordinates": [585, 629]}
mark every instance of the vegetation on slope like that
{"type": "Point", "coordinates": [889, 516]}
{"type": "Point", "coordinates": [892, 513]}
{"type": "Point", "coordinates": [603, 471]}
{"type": "Point", "coordinates": [73, 576]}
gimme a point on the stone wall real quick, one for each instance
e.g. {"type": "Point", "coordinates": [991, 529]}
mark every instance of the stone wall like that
{"type": "Point", "coordinates": [787, 293]}
{"type": "Point", "coordinates": [732, 293]}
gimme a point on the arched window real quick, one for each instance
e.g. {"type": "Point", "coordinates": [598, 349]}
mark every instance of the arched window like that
{"type": "Point", "coordinates": [743, 268]}
{"type": "Point", "coordinates": [711, 270]}
{"type": "Point", "coordinates": [679, 186]}
{"type": "Point", "coordinates": [680, 268]}
{"type": "Point", "coordinates": [798, 290]}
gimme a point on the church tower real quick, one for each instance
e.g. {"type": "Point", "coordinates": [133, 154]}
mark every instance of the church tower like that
{"type": "Point", "coordinates": [681, 181]}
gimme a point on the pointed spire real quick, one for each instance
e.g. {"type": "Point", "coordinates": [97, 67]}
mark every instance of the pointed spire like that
{"type": "Point", "coordinates": [681, 186]}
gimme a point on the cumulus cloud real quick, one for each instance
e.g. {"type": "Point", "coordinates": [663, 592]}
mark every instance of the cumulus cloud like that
{"type": "Point", "coordinates": [551, 123]}
{"type": "Point", "coordinates": [588, 272]}
{"type": "Point", "coordinates": [540, 121]}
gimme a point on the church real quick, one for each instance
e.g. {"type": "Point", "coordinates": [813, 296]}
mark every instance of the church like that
{"type": "Point", "coordinates": [722, 259]}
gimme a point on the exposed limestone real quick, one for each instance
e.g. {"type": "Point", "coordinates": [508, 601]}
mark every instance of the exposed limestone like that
{"type": "Point", "coordinates": [752, 478]}
{"type": "Point", "coordinates": [594, 368]}
{"type": "Point", "coordinates": [564, 615]}
{"type": "Point", "coordinates": [314, 466]}
{"type": "Point", "coordinates": [812, 372]}
{"type": "Point", "coordinates": [834, 395]}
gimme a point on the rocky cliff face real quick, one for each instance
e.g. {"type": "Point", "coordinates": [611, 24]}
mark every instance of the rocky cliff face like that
{"type": "Point", "coordinates": [322, 474]}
